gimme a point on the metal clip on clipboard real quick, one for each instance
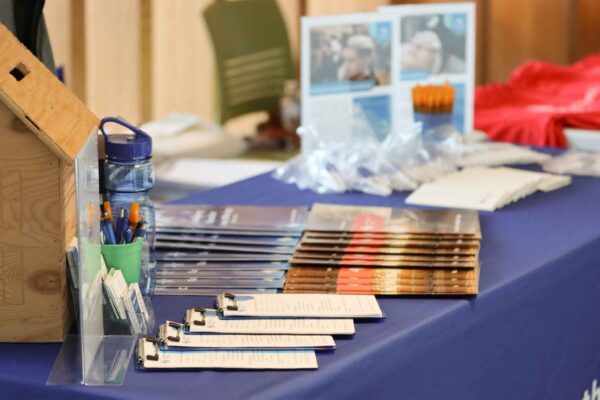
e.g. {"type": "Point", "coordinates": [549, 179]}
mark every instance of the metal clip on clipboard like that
{"type": "Point", "coordinates": [231, 297]}
{"type": "Point", "coordinates": [164, 337]}
{"type": "Point", "coordinates": [202, 312]}
{"type": "Point", "coordinates": [189, 320]}
{"type": "Point", "coordinates": [141, 353]}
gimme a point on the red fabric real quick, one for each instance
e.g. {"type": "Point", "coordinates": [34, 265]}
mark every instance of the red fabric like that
{"type": "Point", "coordinates": [540, 99]}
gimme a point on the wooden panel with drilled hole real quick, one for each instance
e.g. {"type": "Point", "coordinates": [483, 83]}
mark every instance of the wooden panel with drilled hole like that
{"type": "Point", "coordinates": [34, 93]}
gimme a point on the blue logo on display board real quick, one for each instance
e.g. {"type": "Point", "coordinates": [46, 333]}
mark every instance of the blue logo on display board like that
{"type": "Point", "coordinates": [456, 22]}
{"type": "Point", "coordinates": [381, 32]}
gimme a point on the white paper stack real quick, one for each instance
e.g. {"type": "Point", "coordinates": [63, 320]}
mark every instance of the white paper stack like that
{"type": "Point", "coordinates": [483, 188]}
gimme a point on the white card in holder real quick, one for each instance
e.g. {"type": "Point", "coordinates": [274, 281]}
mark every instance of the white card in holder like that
{"type": "Point", "coordinates": [151, 356]}
{"type": "Point", "coordinates": [201, 320]}
{"type": "Point", "coordinates": [172, 336]}
{"type": "Point", "coordinates": [298, 306]}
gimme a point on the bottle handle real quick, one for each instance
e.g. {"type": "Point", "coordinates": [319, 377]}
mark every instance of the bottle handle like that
{"type": "Point", "coordinates": [122, 122]}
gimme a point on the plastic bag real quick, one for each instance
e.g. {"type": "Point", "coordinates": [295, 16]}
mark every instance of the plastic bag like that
{"type": "Point", "coordinates": [401, 162]}
{"type": "Point", "coordinates": [419, 158]}
{"type": "Point", "coordinates": [574, 163]}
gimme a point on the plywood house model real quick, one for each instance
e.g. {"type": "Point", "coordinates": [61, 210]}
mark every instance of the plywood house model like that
{"type": "Point", "coordinates": [42, 127]}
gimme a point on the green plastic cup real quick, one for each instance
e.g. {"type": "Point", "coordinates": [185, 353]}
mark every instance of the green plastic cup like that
{"type": "Point", "coordinates": [125, 257]}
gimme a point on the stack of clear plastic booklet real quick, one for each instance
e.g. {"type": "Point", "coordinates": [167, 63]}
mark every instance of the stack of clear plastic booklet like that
{"type": "Point", "coordinates": [206, 250]}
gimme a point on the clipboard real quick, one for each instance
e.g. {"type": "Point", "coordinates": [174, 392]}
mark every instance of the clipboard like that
{"type": "Point", "coordinates": [207, 321]}
{"type": "Point", "coordinates": [173, 336]}
{"type": "Point", "coordinates": [298, 306]}
{"type": "Point", "coordinates": [150, 356]}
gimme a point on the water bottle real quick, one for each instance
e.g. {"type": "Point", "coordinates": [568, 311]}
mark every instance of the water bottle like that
{"type": "Point", "coordinates": [129, 176]}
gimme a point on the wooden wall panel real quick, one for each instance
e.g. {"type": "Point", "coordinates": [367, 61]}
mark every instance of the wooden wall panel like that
{"type": "Point", "coordinates": [66, 29]}
{"type": "Point", "coordinates": [145, 58]}
{"type": "Point", "coordinates": [587, 28]}
{"type": "Point", "coordinates": [77, 72]}
{"type": "Point", "coordinates": [521, 30]}
{"type": "Point", "coordinates": [182, 59]}
{"type": "Point", "coordinates": [331, 7]}
{"type": "Point", "coordinates": [58, 17]}
{"type": "Point", "coordinates": [146, 70]}
{"type": "Point", "coordinates": [112, 40]}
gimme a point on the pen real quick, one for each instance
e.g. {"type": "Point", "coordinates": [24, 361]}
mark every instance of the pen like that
{"type": "Point", "coordinates": [120, 222]}
{"type": "Point", "coordinates": [127, 236]}
{"type": "Point", "coordinates": [103, 216]}
{"type": "Point", "coordinates": [107, 229]}
{"type": "Point", "coordinates": [134, 214]}
{"type": "Point", "coordinates": [140, 223]}
{"type": "Point", "coordinates": [125, 224]}
{"type": "Point", "coordinates": [140, 231]}
{"type": "Point", "coordinates": [109, 211]}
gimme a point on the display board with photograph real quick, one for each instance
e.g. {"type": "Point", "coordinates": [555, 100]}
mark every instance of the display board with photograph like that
{"type": "Point", "coordinates": [347, 72]}
{"type": "Point", "coordinates": [436, 44]}
{"type": "Point", "coordinates": [358, 70]}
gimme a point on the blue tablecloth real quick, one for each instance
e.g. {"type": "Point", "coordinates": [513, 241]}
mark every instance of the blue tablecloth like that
{"type": "Point", "coordinates": [532, 333]}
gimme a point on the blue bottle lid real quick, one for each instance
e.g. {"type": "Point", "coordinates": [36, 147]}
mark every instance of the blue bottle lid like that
{"type": "Point", "coordinates": [133, 146]}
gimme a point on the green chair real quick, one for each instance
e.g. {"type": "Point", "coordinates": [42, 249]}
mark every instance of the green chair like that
{"type": "Point", "coordinates": [253, 55]}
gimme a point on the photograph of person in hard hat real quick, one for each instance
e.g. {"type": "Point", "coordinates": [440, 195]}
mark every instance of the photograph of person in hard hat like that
{"type": "Point", "coordinates": [432, 45]}
{"type": "Point", "coordinates": [351, 53]}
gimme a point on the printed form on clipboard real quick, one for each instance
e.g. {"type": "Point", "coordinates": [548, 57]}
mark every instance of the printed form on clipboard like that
{"type": "Point", "coordinates": [172, 336]}
{"type": "Point", "coordinates": [151, 356]}
{"type": "Point", "coordinates": [298, 306]}
{"type": "Point", "coordinates": [200, 320]}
